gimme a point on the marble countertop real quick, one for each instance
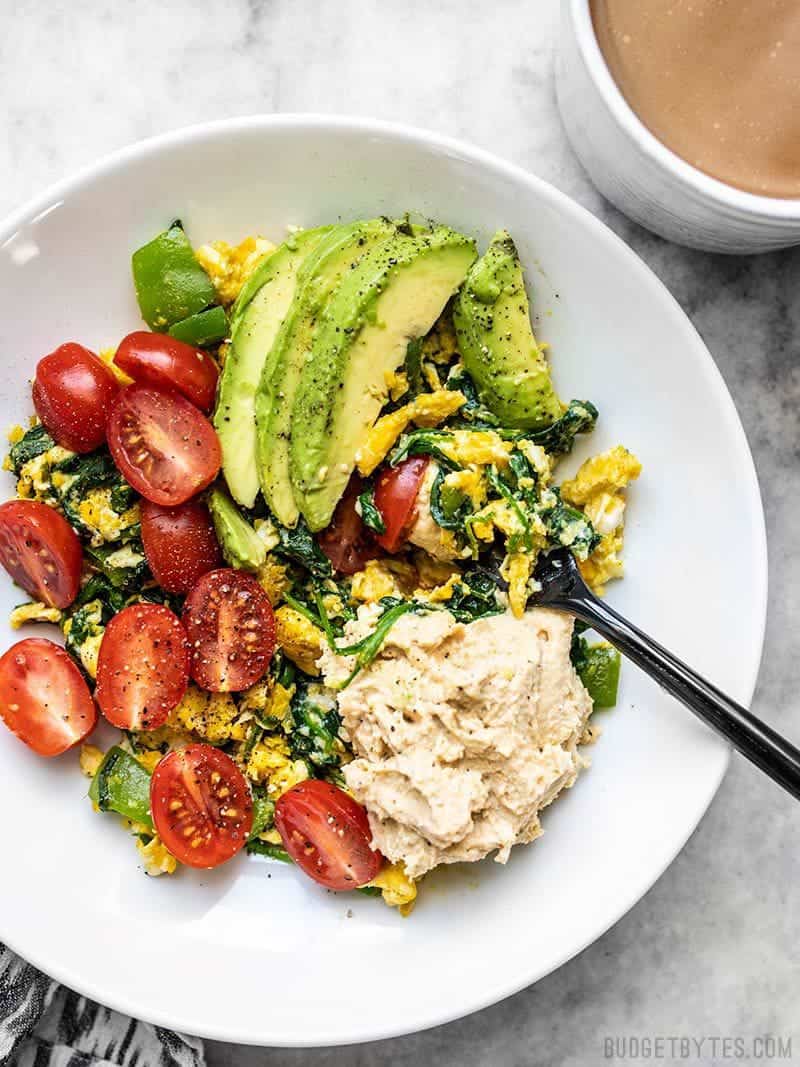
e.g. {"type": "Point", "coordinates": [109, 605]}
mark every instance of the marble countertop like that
{"type": "Point", "coordinates": [712, 949]}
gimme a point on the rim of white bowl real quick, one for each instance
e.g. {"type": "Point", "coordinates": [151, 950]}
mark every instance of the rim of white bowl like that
{"type": "Point", "coordinates": [765, 208]}
{"type": "Point", "coordinates": [497, 992]}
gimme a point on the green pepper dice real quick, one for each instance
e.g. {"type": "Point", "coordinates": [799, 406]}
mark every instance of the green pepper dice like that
{"type": "Point", "coordinates": [599, 672]}
{"type": "Point", "coordinates": [170, 283]}
{"type": "Point", "coordinates": [206, 328]}
{"type": "Point", "coordinates": [122, 784]}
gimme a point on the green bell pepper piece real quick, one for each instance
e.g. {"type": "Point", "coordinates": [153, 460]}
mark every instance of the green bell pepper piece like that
{"type": "Point", "coordinates": [121, 784]}
{"type": "Point", "coordinates": [206, 328]}
{"type": "Point", "coordinates": [599, 672]}
{"type": "Point", "coordinates": [170, 283]}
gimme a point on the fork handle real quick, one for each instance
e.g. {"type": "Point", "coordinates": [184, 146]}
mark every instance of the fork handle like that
{"type": "Point", "coordinates": [776, 756]}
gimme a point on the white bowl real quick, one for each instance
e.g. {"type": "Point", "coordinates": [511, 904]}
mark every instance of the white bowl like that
{"type": "Point", "coordinates": [253, 951]}
{"type": "Point", "coordinates": [639, 174]}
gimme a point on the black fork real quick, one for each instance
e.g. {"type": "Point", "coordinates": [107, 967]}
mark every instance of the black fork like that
{"type": "Point", "coordinates": [562, 587]}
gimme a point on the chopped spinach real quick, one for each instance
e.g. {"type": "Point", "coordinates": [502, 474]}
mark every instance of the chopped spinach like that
{"type": "Point", "coordinates": [35, 443]}
{"type": "Point", "coordinates": [472, 415]}
{"type": "Point", "coordinates": [559, 437]}
{"type": "Point", "coordinates": [567, 526]}
{"type": "Point", "coordinates": [125, 566]}
{"type": "Point", "coordinates": [370, 515]}
{"type": "Point", "coordinates": [525, 536]}
{"type": "Point", "coordinates": [422, 443]}
{"type": "Point", "coordinates": [315, 726]}
{"type": "Point", "coordinates": [449, 508]}
{"type": "Point", "coordinates": [98, 587]}
{"type": "Point", "coordinates": [368, 647]}
{"type": "Point", "coordinates": [414, 365]}
{"type": "Point", "coordinates": [475, 596]}
{"type": "Point", "coordinates": [299, 546]}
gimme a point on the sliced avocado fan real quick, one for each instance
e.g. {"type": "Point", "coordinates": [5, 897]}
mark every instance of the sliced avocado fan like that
{"type": "Point", "coordinates": [492, 320]}
{"type": "Point", "coordinates": [318, 277]}
{"type": "Point", "coordinates": [256, 317]}
{"type": "Point", "coordinates": [394, 295]}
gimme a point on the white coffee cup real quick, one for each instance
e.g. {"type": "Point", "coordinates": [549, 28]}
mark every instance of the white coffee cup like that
{"type": "Point", "coordinates": [639, 174]}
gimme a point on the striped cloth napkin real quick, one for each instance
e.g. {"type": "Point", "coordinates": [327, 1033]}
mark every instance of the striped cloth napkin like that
{"type": "Point", "coordinates": [42, 1024]}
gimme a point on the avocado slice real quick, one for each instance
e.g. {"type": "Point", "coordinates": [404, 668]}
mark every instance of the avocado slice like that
{"type": "Point", "coordinates": [256, 317]}
{"type": "Point", "coordinates": [319, 276]}
{"type": "Point", "coordinates": [394, 295]}
{"type": "Point", "coordinates": [492, 320]}
{"type": "Point", "coordinates": [241, 546]}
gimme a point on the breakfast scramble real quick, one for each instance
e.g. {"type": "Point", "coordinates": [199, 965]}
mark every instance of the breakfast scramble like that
{"type": "Point", "coordinates": [289, 536]}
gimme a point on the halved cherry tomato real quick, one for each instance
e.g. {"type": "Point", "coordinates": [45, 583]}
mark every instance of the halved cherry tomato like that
{"type": "Point", "coordinates": [327, 835]}
{"type": "Point", "coordinates": [180, 543]}
{"type": "Point", "coordinates": [43, 697]}
{"type": "Point", "coordinates": [159, 360]}
{"type": "Point", "coordinates": [72, 393]}
{"type": "Point", "coordinates": [396, 499]}
{"type": "Point", "coordinates": [345, 542]}
{"type": "Point", "coordinates": [163, 445]}
{"type": "Point", "coordinates": [231, 630]}
{"type": "Point", "coordinates": [201, 805]}
{"type": "Point", "coordinates": [40, 551]}
{"type": "Point", "coordinates": [142, 667]}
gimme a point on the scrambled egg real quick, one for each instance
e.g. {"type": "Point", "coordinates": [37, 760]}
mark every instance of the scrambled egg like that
{"type": "Point", "coordinates": [89, 649]}
{"type": "Point", "coordinates": [34, 482]}
{"type": "Point", "coordinates": [229, 266]}
{"type": "Point", "coordinates": [441, 593]}
{"type": "Point", "coordinates": [397, 889]}
{"type": "Point", "coordinates": [480, 447]}
{"type": "Point", "coordinates": [541, 462]}
{"type": "Point", "coordinates": [149, 760]}
{"type": "Point", "coordinates": [383, 577]}
{"type": "Point", "coordinates": [267, 699]}
{"type": "Point", "coordinates": [90, 759]}
{"type": "Point", "coordinates": [441, 344]}
{"type": "Point", "coordinates": [210, 716]}
{"type": "Point", "coordinates": [156, 859]}
{"type": "Point", "coordinates": [396, 384]}
{"type": "Point", "coordinates": [102, 521]}
{"type": "Point", "coordinates": [432, 572]}
{"type": "Point", "coordinates": [270, 762]}
{"type": "Point", "coordinates": [516, 570]}
{"type": "Point", "coordinates": [599, 488]}
{"type": "Point", "coordinates": [469, 482]}
{"type": "Point", "coordinates": [299, 638]}
{"type": "Point", "coordinates": [273, 579]}
{"type": "Point", "coordinates": [35, 612]}
{"type": "Point", "coordinates": [428, 409]}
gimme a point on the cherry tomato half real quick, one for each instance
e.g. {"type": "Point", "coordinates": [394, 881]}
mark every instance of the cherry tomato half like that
{"type": "Point", "coordinates": [231, 631]}
{"type": "Point", "coordinates": [396, 499]}
{"type": "Point", "coordinates": [201, 805]}
{"type": "Point", "coordinates": [346, 542]}
{"type": "Point", "coordinates": [142, 667]}
{"type": "Point", "coordinates": [327, 835]}
{"type": "Point", "coordinates": [44, 699]}
{"type": "Point", "coordinates": [163, 445]}
{"type": "Point", "coordinates": [72, 392]}
{"type": "Point", "coordinates": [159, 360]}
{"type": "Point", "coordinates": [180, 543]}
{"type": "Point", "coordinates": [40, 551]}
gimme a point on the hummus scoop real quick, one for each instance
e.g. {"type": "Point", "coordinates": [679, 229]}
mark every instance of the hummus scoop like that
{"type": "Point", "coordinates": [563, 588]}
